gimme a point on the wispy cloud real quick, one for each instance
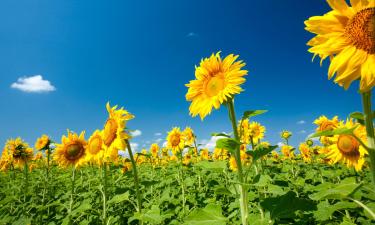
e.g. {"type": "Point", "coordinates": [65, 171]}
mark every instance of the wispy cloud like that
{"type": "Point", "coordinates": [136, 133]}
{"type": "Point", "coordinates": [158, 134]}
{"type": "Point", "coordinates": [302, 132]}
{"type": "Point", "coordinates": [192, 34]}
{"type": "Point", "coordinates": [158, 140]}
{"type": "Point", "coordinates": [134, 146]}
{"type": "Point", "coordinates": [301, 122]}
{"type": "Point", "coordinates": [33, 84]}
{"type": "Point", "coordinates": [280, 144]}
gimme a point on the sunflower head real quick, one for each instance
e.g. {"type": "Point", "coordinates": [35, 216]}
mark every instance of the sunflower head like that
{"type": "Point", "coordinates": [216, 81]}
{"type": "Point", "coordinates": [95, 148]}
{"type": "Point", "coordinates": [305, 152]}
{"type": "Point", "coordinates": [71, 151]}
{"type": "Point", "coordinates": [42, 143]}
{"type": "Point", "coordinates": [204, 154]}
{"type": "Point", "coordinates": [154, 149]}
{"type": "Point", "coordinates": [346, 35]}
{"type": "Point", "coordinates": [189, 136]}
{"type": "Point", "coordinates": [347, 149]}
{"type": "Point", "coordinates": [233, 164]}
{"type": "Point", "coordinates": [285, 134]}
{"type": "Point", "coordinates": [175, 140]}
{"type": "Point", "coordinates": [325, 124]}
{"type": "Point", "coordinates": [18, 151]}
{"type": "Point", "coordinates": [114, 128]}
{"type": "Point", "coordinates": [309, 142]}
{"type": "Point", "coordinates": [288, 151]}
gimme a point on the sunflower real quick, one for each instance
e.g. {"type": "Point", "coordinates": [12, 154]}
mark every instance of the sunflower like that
{"type": "Point", "coordinates": [71, 151]}
{"type": "Point", "coordinates": [346, 35]}
{"type": "Point", "coordinates": [114, 134]}
{"type": "Point", "coordinates": [154, 149]}
{"type": "Point", "coordinates": [217, 80]}
{"type": "Point", "coordinates": [204, 154]}
{"type": "Point", "coordinates": [42, 143]}
{"type": "Point", "coordinates": [233, 164]}
{"type": "Point", "coordinates": [275, 155]}
{"type": "Point", "coordinates": [189, 136]}
{"type": "Point", "coordinates": [251, 132]}
{"type": "Point", "coordinates": [220, 154]}
{"type": "Point", "coordinates": [126, 167]}
{"type": "Point", "coordinates": [305, 152]}
{"type": "Point", "coordinates": [95, 148]}
{"type": "Point", "coordinates": [288, 151]}
{"type": "Point", "coordinates": [19, 151]}
{"type": "Point", "coordinates": [285, 134]}
{"type": "Point", "coordinates": [347, 149]}
{"type": "Point", "coordinates": [325, 124]}
{"type": "Point", "coordinates": [38, 156]}
{"type": "Point", "coordinates": [175, 140]}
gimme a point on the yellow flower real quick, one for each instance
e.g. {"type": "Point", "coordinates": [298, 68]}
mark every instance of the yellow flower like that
{"type": "Point", "coordinates": [154, 149]}
{"type": "Point", "coordinates": [346, 35]}
{"type": "Point", "coordinates": [287, 151]}
{"type": "Point", "coordinates": [18, 151]}
{"type": "Point", "coordinates": [204, 154]}
{"type": "Point", "coordinates": [71, 151]}
{"type": "Point", "coordinates": [42, 142]}
{"type": "Point", "coordinates": [187, 159]}
{"type": "Point", "coordinates": [325, 124]}
{"type": "Point", "coordinates": [233, 164]}
{"type": "Point", "coordinates": [216, 81]}
{"type": "Point", "coordinates": [220, 154]}
{"type": "Point", "coordinates": [305, 152]}
{"type": "Point", "coordinates": [251, 131]}
{"type": "Point", "coordinates": [95, 148]}
{"type": "Point", "coordinates": [173, 158]}
{"type": "Point", "coordinates": [275, 155]}
{"type": "Point", "coordinates": [285, 134]}
{"type": "Point", "coordinates": [189, 136]}
{"type": "Point", "coordinates": [113, 132]}
{"type": "Point", "coordinates": [38, 156]}
{"type": "Point", "coordinates": [126, 167]}
{"type": "Point", "coordinates": [347, 149]}
{"type": "Point", "coordinates": [175, 140]}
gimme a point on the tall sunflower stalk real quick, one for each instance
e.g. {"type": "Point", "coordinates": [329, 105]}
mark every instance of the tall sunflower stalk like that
{"type": "Point", "coordinates": [217, 81]}
{"type": "Point", "coordinates": [346, 36]}
{"type": "Point", "coordinates": [135, 175]}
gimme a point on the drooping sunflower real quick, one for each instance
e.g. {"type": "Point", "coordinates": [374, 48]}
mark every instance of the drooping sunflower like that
{"type": "Point", "coordinates": [95, 148]}
{"type": "Point", "coordinates": [71, 151]}
{"type": "Point", "coordinates": [19, 151]}
{"type": "Point", "coordinates": [114, 134]}
{"type": "Point", "coordinates": [42, 143]}
{"type": "Point", "coordinates": [189, 136]}
{"type": "Point", "coordinates": [346, 35]}
{"type": "Point", "coordinates": [347, 149]}
{"type": "Point", "coordinates": [175, 140]}
{"type": "Point", "coordinates": [217, 80]}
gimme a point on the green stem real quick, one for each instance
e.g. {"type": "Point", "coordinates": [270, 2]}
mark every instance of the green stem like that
{"type": "Point", "coordinates": [72, 195]}
{"type": "Point", "coordinates": [104, 168]}
{"type": "Point", "coordinates": [366, 100]}
{"type": "Point", "coordinates": [243, 191]}
{"type": "Point", "coordinates": [363, 206]}
{"type": "Point", "coordinates": [136, 181]}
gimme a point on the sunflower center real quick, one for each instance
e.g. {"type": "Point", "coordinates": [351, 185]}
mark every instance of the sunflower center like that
{"type": "Point", "coordinates": [214, 85]}
{"type": "Point", "coordinates": [74, 151]}
{"type": "Point", "coordinates": [327, 126]}
{"type": "Point", "coordinates": [175, 140]}
{"type": "Point", "coordinates": [95, 145]}
{"type": "Point", "coordinates": [361, 30]}
{"type": "Point", "coordinates": [348, 145]}
{"type": "Point", "coordinates": [110, 129]}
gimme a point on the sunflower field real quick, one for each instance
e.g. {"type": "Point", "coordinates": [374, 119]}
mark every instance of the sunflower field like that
{"type": "Point", "coordinates": [99, 179]}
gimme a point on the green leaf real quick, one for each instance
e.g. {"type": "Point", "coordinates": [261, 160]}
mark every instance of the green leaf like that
{"type": "Point", "coordinates": [215, 165]}
{"type": "Point", "coordinates": [325, 210]}
{"type": "Point", "coordinates": [221, 135]}
{"type": "Point", "coordinates": [119, 198]}
{"type": "Point", "coordinates": [229, 144]}
{"type": "Point", "coordinates": [346, 188]}
{"type": "Point", "coordinates": [261, 151]}
{"type": "Point", "coordinates": [151, 216]}
{"type": "Point", "coordinates": [251, 113]}
{"type": "Point", "coordinates": [358, 116]}
{"type": "Point", "coordinates": [337, 131]}
{"type": "Point", "coordinates": [287, 205]}
{"type": "Point", "coordinates": [371, 206]}
{"type": "Point", "coordinates": [210, 215]}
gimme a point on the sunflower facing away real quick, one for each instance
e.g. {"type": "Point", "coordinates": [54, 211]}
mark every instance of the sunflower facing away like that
{"type": "Point", "coordinates": [42, 143]}
{"type": "Point", "coordinates": [346, 34]}
{"type": "Point", "coordinates": [19, 151]}
{"type": "Point", "coordinates": [217, 80]}
{"type": "Point", "coordinates": [71, 151]}
{"type": "Point", "coordinates": [347, 149]}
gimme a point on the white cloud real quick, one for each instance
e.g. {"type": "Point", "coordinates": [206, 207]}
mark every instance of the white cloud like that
{"type": "Point", "coordinates": [158, 140]}
{"type": "Point", "coordinates": [158, 134]}
{"type": "Point", "coordinates": [302, 132]}
{"type": "Point", "coordinates": [33, 84]}
{"type": "Point", "coordinates": [301, 122]}
{"type": "Point", "coordinates": [134, 146]}
{"type": "Point", "coordinates": [192, 34]}
{"type": "Point", "coordinates": [210, 144]}
{"type": "Point", "coordinates": [136, 133]}
{"type": "Point", "coordinates": [164, 144]}
{"type": "Point", "coordinates": [280, 144]}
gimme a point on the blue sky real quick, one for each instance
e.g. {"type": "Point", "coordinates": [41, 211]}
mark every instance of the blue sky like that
{"type": "Point", "coordinates": [140, 54]}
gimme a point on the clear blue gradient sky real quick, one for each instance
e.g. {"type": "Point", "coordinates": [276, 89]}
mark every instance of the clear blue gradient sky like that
{"type": "Point", "coordinates": [140, 54]}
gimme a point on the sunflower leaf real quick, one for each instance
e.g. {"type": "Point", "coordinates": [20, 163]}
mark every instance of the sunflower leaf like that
{"type": "Point", "coordinates": [251, 113]}
{"type": "Point", "coordinates": [358, 116]}
{"type": "Point", "coordinates": [337, 131]}
{"type": "Point", "coordinates": [220, 135]}
{"type": "Point", "coordinates": [261, 151]}
{"type": "Point", "coordinates": [229, 144]}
